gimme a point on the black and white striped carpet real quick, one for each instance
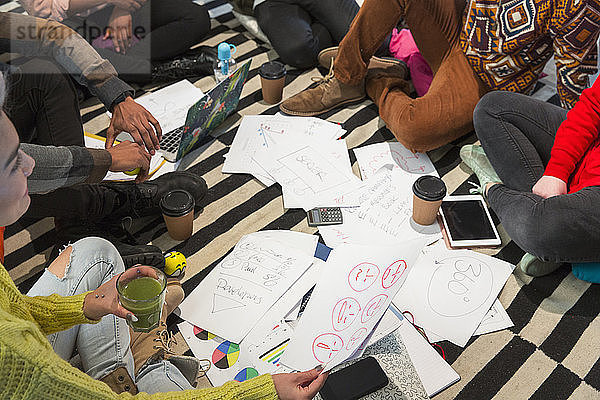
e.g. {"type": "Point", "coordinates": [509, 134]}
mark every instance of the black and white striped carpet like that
{"type": "Point", "coordinates": [553, 350]}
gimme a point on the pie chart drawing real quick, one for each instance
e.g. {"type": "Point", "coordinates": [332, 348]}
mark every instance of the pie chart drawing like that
{"type": "Point", "coordinates": [202, 334]}
{"type": "Point", "coordinates": [226, 354]}
{"type": "Point", "coordinates": [245, 374]}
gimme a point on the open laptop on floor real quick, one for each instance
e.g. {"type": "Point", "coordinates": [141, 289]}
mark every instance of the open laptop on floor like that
{"type": "Point", "coordinates": [205, 115]}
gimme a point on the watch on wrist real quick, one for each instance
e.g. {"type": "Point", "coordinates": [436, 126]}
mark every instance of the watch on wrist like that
{"type": "Point", "coordinates": [121, 98]}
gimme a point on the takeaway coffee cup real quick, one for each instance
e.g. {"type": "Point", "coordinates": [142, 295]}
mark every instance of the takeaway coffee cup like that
{"type": "Point", "coordinates": [272, 79]}
{"type": "Point", "coordinates": [428, 192]}
{"type": "Point", "coordinates": [177, 208]}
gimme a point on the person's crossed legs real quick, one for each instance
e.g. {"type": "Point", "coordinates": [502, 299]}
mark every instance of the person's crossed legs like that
{"type": "Point", "coordinates": [425, 123]}
{"type": "Point", "coordinates": [517, 134]}
{"type": "Point", "coordinates": [103, 347]}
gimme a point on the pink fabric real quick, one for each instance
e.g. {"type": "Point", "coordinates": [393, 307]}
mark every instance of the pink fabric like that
{"type": "Point", "coordinates": [403, 47]}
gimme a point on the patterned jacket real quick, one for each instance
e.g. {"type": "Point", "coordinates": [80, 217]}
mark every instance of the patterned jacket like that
{"type": "Point", "coordinates": [508, 42]}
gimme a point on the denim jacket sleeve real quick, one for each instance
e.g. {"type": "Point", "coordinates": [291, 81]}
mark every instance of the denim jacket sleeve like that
{"type": "Point", "coordinates": [56, 167]}
{"type": "Point", "coordinates": [33, 36]}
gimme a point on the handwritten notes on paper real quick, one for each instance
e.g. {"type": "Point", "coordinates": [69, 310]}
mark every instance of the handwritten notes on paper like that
{"type": "Point", "coordinates": [243, 286]}
{"type": "Point", "coordinates": [450, 291]}
{"type": "Point", "coordinates": [383, 215]}
{"type": "Point", "coordinates": [350, 298]}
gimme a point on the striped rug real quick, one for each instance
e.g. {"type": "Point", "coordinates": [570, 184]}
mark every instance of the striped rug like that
{"type": "Point", "coordinates": [553, 350]}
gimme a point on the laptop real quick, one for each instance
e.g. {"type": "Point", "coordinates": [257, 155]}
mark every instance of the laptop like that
{"type": "Point", "coordinates": [205, 115]}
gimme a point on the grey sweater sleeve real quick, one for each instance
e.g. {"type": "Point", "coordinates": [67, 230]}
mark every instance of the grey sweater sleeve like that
{"type": "Point", "coordinates": [39, 37]}
{"type": "Point", "coordinates": [57, 167]}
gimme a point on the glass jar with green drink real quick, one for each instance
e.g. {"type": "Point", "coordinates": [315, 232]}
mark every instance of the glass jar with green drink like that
{"type": "Point", "coordinates": [142, 291]}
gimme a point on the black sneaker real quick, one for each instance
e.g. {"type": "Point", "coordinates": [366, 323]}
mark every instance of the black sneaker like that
{"type": "Point", "coordinates": [143, 199]}
{"type": "Point", "coordinates": [70, 231]}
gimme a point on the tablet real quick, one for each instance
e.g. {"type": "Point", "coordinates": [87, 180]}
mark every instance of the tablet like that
{"type": "Point", "coordinates": [468, 222]}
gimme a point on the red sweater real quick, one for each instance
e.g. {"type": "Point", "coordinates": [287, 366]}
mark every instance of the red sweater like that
{"type": "Point", "coordinates": [575, 156]}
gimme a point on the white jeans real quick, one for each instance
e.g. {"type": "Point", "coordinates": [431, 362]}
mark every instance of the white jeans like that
{"type": "Point", "coordinates": [104, 346]}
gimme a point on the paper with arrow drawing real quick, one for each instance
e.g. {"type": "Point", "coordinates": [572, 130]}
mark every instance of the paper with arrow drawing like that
{"type": "Point", "coordinates": [243, 286]}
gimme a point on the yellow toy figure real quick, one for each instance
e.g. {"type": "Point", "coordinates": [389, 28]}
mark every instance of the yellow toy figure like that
{"type": "Point", "coordinates": [175, 264]}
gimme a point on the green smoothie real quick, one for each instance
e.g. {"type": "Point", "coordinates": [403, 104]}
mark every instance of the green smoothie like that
{"type": "Point", "coordinates": [144, 298]}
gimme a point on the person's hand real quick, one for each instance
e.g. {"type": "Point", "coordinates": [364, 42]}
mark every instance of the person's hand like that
{"type": "Point", "coordinates": [127, 156]}
{"type": "Point", "coordinates": [134, 119]}
{"type": "Point", "coordinates": [299, 385]}
{"type": "Point", "coordinates": [105, 299]}
{"type": "Point", "coordinates": [120, 29]}
{"type": "Point", "coordinates": [129, 5]}
{"type": "Point", "coordinates": [549, 186]}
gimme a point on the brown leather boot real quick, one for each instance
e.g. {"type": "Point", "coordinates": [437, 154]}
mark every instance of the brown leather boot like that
{"type": "Point", "coordinates": [382, 78]}
{"type": "Point", "coordinates": [151, 346]}
{"type": "Point", "coordinates": [120, 381]}
{"type": "Point", "coordinates": [327, 56]}
{"type": "Point", "coordinates": [327, 95]}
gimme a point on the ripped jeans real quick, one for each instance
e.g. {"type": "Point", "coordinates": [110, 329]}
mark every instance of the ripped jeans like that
{"type": "Point", "coordinates": [104, 346]}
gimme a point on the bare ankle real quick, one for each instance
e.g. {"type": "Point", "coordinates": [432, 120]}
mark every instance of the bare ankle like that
{"type": "Point", "coordinates": [489, 185]}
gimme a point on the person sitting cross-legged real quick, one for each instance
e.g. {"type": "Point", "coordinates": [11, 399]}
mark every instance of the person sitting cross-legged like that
{"type": "Point", "coordinates": [472, 47]}
{"type": "Point", "coordinates": [539, 168]}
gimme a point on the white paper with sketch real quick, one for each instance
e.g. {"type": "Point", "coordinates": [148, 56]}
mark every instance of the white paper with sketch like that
{"type": "Point", "coordinates": [372, 157]}
{"type": "Point", "coordinates": [243, 286]}
{"type": "Point", "coordinates": [337, 153]}
{"type": "Point", "coordinates": [311, 179]}
{"type": "Point", "coordinates": [449, 291]}
{"type": "Point", "coordinates": [262, 348]}
{"type": "Point", "coordinates": [383, 216]}
{"type": "Point", "coordinates": [231, 361]}
{"type": "Point", "coordinates": [258, 132]}
{"type": "Point", "coordinates": [352, 294]}
{"type": "Point", "coordinates": [170, 104]}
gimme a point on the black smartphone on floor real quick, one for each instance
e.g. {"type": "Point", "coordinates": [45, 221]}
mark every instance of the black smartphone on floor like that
{"type": "Point", "coordinates": [355, 381]}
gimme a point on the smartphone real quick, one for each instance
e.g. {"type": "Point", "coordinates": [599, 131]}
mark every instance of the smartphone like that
{"type": "Point", "coordinates": [468, 223]}
{"type": "Point", "coordinates": [355, 381]}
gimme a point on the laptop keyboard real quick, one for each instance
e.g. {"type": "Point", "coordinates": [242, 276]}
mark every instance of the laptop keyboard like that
{"type": "Point", "coordinates": [170, 140]}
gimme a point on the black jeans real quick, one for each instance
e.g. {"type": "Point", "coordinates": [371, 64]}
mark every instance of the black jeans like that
{"type": "Point", "coordinates": [167, 28]}
{"type": "Point", "coordinates": [300, 29]}
{"type": "Point", "coordinates": [45, 110]}
{"type": "Point", "coordinates": [44, 107]}
{"type": "Point", "coordinates": [517, 134]}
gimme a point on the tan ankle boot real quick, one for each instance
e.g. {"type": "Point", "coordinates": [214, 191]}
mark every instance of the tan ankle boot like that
{"type": "Point", "coordinates": [327, 56]}
{"type": "Point", "coordinates": [156, 344]}
{"type": "Point", "coordinates": [327, 95]}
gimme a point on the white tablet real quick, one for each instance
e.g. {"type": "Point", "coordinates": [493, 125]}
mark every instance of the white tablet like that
{"type": "Point", "coordinates": [468, 222]}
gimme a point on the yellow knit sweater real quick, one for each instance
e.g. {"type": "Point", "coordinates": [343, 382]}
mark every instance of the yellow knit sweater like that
{"type": "Point", "coordinates": [29, 368]}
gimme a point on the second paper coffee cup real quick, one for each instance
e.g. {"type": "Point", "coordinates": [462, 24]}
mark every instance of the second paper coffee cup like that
{"type": "Point", "coordinates": [177, 208]}
{"type": "Point", "coordinates": [428, 193]}
{"type": "Point", "coordinates": [272, 79]}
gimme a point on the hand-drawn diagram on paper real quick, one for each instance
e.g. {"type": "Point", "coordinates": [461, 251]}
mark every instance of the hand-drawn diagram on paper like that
{"type": "Point", "coordinates": [348, 301]}
{"type": "Point", "coordinates": [372, 157]}
{"type": "Point", "coordinates": [450, 291]}
{"type": "Point", "coordinates": [244, 285]}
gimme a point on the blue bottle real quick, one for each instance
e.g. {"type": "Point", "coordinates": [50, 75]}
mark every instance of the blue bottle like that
{"type": "Point", "coordinates": [225, 65]}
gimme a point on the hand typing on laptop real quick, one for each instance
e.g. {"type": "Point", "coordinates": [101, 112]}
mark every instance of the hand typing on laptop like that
{"type": "Point", "coordinates": [128, 116]}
